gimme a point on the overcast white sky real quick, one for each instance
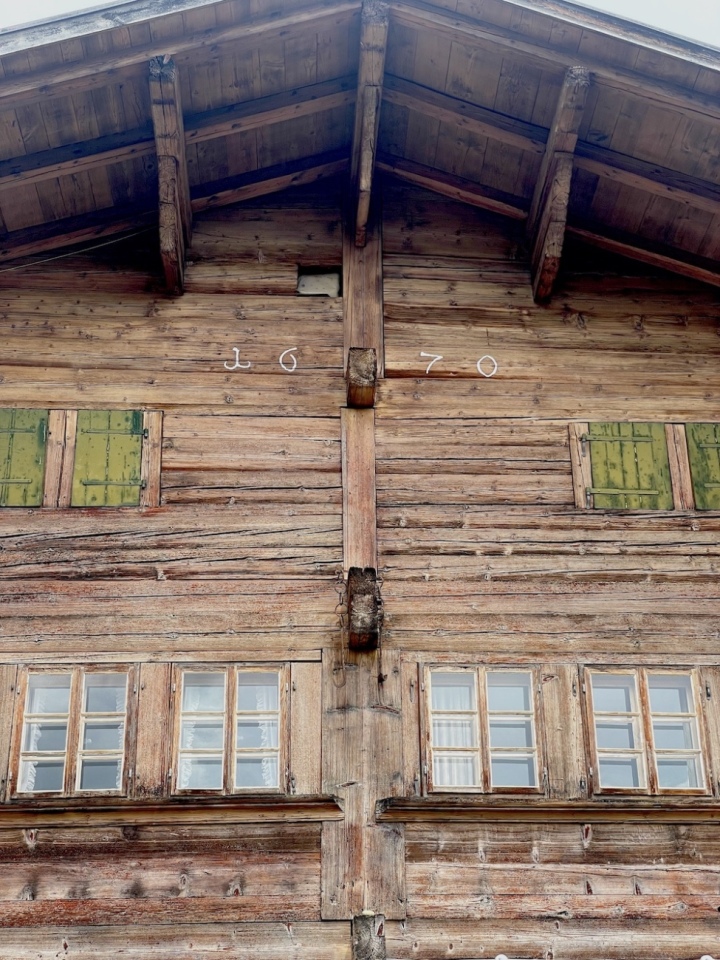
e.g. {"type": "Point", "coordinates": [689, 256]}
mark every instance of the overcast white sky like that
{"type": "Point", "coordinates": [697, 19]}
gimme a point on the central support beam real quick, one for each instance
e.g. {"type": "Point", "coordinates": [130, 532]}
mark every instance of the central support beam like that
{"type": "Point", "coordinates": [373, 44]}
{"type": "Point", "coordinates": [549, 207]}
{"type": "Point", "coordinates": [175, 212]}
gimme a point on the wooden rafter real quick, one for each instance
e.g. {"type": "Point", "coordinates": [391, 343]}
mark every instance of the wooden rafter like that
{"type": "Point", "coordinates": [93, 72]}
{"type": "Point", "coordinates": [129, 145]}
{"type": "Point", "coordinates": [459, 28]}
{"type": "Point", "coordinates": [453, 186]}
{"type": "Point", "coordinates": [268, 180]}
{"type": "Point", "coordinates": [373, 43]}
{"type": "Point", "coordinates": [549, 207]}
{"type": "Point", "coordinates": [175, 212]}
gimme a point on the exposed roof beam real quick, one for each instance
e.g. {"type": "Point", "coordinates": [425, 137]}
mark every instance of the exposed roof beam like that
{"type": "Point", "coordinates": [71, 231]}
{"type": "Point", "coordinates": [101, 151]}
{"type": "Point", "coordinates": [374, 22]}
{"type": "Point", "coordinates": [650, 177]}
{"type": "Point", "coordinates": [454, 187]}
{"type": "Point", "coordinates": [269, 180]}
{"type": "Point", "coordinates": [459, 28]}
{"type": "Point", "coordinates": [175, 213]}
{"type": "Point", "coordinates": [468, 116]}
{"type": "Point", "coordinates": [621, 168]}
{"type": "Point", "coordinates": [549, 207]}
{"type": "Point", "coordinates": [89, 73]}
{"type": "Point", "coordinates": [629, 245]}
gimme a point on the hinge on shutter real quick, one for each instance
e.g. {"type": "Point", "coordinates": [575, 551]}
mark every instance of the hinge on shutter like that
{"type": "Point", "coordinates": [110, 483]}
{"type": "Point", "coordinates": [610, 491]}
{"type": "Point", "coordinates": [586, 438]}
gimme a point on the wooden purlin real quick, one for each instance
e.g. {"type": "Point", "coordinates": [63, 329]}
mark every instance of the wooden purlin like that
{"type": "Point", "coordinates": [373, 44]}
{"type": "Point", "coordinates": [175, 211]}
{"type": "Point", "coordinates": [549, 207]}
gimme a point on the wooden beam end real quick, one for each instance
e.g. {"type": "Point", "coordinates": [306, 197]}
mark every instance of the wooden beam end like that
{"type": "Point", "coordinates": [368, 937]}
{"type": "Point", "coordinates": [364, 609]}
{"type": "Point", "coordinates": [362, 371]}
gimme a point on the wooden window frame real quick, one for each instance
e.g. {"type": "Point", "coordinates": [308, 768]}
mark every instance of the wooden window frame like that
{"type": "Point", "coordinates": [73, 749]}
{"type": "Point", "coordinates": [647, 750]}
{"type": "Point", "coordinates": [231, 670]}
{"type": "Point", "coordinates": [60, 461]}
{"type": "Point", "coordinates": [484, 751]}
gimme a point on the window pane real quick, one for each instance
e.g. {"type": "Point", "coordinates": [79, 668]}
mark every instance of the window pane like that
{"type": "Point", "coordinates": [511, 733]}
{"type": "Point", "coordinates": [615, 736]}
{"type": "Point", "coordinates": [42, 737]}
{"type": "Point", "coordinates": [201, 734]}
{"type": "Point", "coordinates": [620, 772]}
{"type": "Point", "coordinates": [677, 774]}
{"type": "Point", "coordinates": [613, 694]}
{"type": "Point", "coordinates": [512, 771]}
{"type": "Point", "coordinates": [678, 735]}
{"type": "Point", "coordinates": [203, 692]}
{"type": "Point", "coordinates": [105, 693]}
{"type": "Point", "coordinates": [37, 776]}
{"type": "Point", "coordinates": [257, 733]}
{"type": "Point", "coordinates": [670, 694]}
{"type": "Point", "coordinates": [455, 770]}
{"type": "Point", "coordinates": [452, 691]}
{"type": "Point", "coordinates": [200, 773]}
{"type": "Point", "coordinates": [453, 732]}
{"type": "Point", "coordinates": [100, 774]}
{"type": "Point", "coordinates": [103, 736]}
{"type": "Point", "coordinates": [48, 693]}
{"type": "Point", "coordinates": [259, 772]}
{"type": "Point", "coordinates": [509, 692]}
{"type": "Point", "coordinates": [257, 691]}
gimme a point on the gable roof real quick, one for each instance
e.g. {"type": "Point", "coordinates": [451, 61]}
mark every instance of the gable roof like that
{"type": "Point", "coordinates": [571, 121]}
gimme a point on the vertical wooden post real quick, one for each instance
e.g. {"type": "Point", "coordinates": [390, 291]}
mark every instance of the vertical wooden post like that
{"type": "Point", "coordinates": [175, 212]}
{"type": "Point", "coordinates": [362, 289]}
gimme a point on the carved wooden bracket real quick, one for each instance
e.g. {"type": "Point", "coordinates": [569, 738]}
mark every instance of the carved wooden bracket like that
{"type": "Point", "coordinates": [364, 609]}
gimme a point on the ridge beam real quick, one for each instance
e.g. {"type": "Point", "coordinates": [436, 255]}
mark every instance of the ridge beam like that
{"type": "Point", "coordinates": [374, 26]}
{"type": "Point", "coordinates": [549, 207]}
{"type": "Point", "coordinates": [175, 211]}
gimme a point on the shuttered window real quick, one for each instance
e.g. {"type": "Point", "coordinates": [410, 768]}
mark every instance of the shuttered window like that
{"type": "Point", "coordinates": [703, 440]}
{"type": "Point", "coordinates": [23, 436]}
{"type": "Point", "coordinates": [630, 468]}
{"type": "Point", "coordinates": [108, 458]}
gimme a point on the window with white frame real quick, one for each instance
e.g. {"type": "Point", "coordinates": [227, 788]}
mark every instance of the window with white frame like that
{"type": "Point", "coordinates": [645, 732]}
{"type": "Point", "coordinates": [72, 731]}
{"type": "Point", "coordinates": [482, 729]}
{"type": "Point", "coordinates": [232, 729]}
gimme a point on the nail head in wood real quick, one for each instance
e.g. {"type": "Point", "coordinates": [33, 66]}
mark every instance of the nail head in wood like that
{"type": "Point", "coordinates": [361, 377]}
{"type": "Point", "coordinates": [363, 602]}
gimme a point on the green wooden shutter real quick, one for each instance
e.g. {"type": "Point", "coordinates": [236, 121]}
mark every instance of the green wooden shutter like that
{"type": "Point", "coordinates": [703, 440]}
{"type": "Point", "coordinates": [108, 452]}
{"type": "Point", "coordinates": [630, 469]}
{"type": "Point", "coordinates": [23, 435]}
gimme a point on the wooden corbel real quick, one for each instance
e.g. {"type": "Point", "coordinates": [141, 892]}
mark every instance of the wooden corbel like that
{"type": "Point", "coordinates": [175, 211]}
{"type": "Point", "coordinates": [361, 377]}
{"type": "Point", "coordinates": [549, 209]}
{"type": "Point", "coordinates": [364, 609]}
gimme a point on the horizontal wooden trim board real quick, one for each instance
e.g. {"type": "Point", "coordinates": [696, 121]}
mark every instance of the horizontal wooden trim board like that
{"type": "Point", "coordinates": [492, 810]}
{"type": "Point", "coordinates": [180, 810]}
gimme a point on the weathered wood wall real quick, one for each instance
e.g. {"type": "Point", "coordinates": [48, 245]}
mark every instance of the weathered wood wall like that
{"type": "Point", "coordinates": [482, 553]}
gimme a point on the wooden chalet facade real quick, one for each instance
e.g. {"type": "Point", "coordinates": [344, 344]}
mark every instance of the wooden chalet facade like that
{"type": "Point", "coordinates": [359, 484]}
